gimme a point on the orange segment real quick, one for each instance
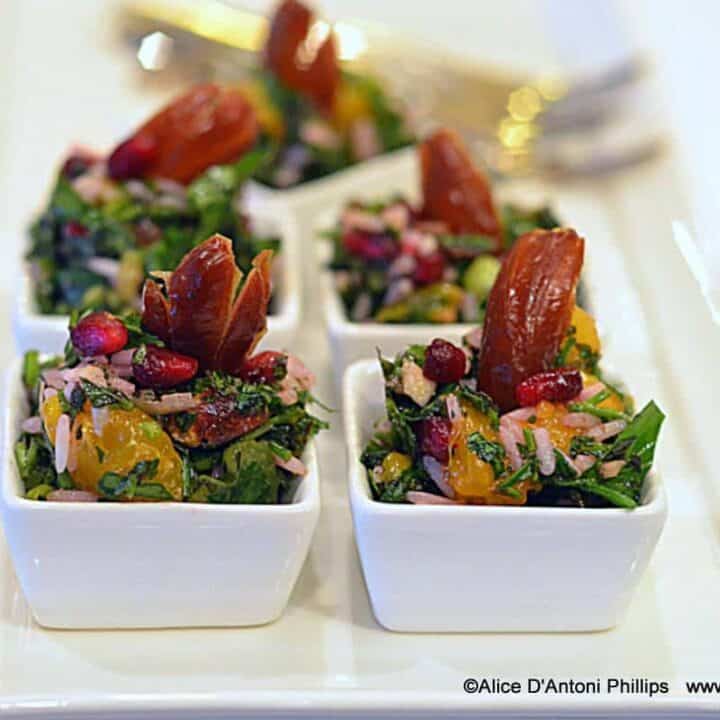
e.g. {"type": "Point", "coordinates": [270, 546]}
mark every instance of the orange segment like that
{"type": "Point", "coordinates": [128, 437]}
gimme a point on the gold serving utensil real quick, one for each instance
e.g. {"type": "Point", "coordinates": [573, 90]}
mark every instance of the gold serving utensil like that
{"type": "Point", "coordinates": [517, 125]}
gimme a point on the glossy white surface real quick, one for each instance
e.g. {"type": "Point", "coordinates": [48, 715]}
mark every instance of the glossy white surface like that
{"type": "Point", "coordinates": [48, 333]}
{"type": "Point", "coordinates": [490, 569]}
{"type": "Point", "coordinates": [152, 565]}
{"type": "Point", "coordinates": [327, 656]}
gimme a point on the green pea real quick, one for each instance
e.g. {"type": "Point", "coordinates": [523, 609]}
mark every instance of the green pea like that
{"type": "Point", "coordinates": [481, 275]}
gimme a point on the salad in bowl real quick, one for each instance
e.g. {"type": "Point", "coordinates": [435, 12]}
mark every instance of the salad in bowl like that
{"type": "Point", "coordinates": [521, 473]}
{"type": "Point", "coordinates": [171, 404]}
{"type": "Point", "coordinates": [432, 263]}
{"type": "Point", "coordinates": [111, 220]}
{"type": "Point", "coordinates": [317, 118]}
{"type": "Point", "coordinates": [520, 415]}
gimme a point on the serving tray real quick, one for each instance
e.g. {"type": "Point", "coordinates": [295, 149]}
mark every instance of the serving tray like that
{"type": "Point", "coordinates": [328, 657]}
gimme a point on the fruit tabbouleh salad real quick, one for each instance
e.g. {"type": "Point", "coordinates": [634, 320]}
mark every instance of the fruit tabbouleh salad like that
{"type": "Point", "coordinates": [316, 118]}
{"type": "Point", "coordinates": [171, 404]}
{"type": "Point", "coordinates": [394, 263]}
{"type": "Point", "coordinates": [112, 220]}
{"type": "Point", "coordinates": [521, 415]}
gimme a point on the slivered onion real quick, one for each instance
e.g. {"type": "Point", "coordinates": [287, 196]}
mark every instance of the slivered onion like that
{"type": "Point", "coordinates": [436, 471]}
{"type": "Point", "coordinates": [417, 497]}
{"type": "Point", "coordinates": [294, 465]}
{"type": "Point", "coordinates": [580, 420]}
{"type": "Point", "coordinates": [607, 430]}
{"type": "Point", "coordinates": [169, 404]}
{"type": "Point", "coordinates": [72, 496]}
{"type": "Point", "coordinates": [32, 425]}
{"type": "Point", "coordinates": [508, 441]}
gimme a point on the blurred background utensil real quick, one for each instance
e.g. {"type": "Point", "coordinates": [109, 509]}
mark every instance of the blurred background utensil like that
{"type": "Point", "coordinates": [548, 125]}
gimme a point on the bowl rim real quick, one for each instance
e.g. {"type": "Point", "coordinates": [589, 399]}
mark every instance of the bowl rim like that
{"type": "Point", "coordinates": [338, 321]}
{"type": "Point", "coordinates": [289, 290]}
{"type": "Point", "coordinates": [655, 502]}
{"type": "Point", "coordinates": [314, 188]}
{"type": "Point", "coordinates": [306, 498]}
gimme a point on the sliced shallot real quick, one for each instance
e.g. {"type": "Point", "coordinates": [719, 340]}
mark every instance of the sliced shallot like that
{"type": "Point", "coordinates": [611, 469]}
{"type": "Point", "coordinates": [72, 496]}
{"type": "Point", "coordinates": [436, 471]}
{"type": "Point", "coordinates": [123, 386]}
{"type": "Point", "coordinates": [507, 438]}
{"type": "Point", "coordinates": [169, 404]}
{"type": "Point", "coordinates": [583, 463]}
{"type": "Point", "coordinates": [293, 465]}
{"type": "Point", "coordinates": [519, 415]}
{"type": "Point", "coordinates": [580, 420]}
{"type": "Point", "coordinates": [590, 391]}
{"type": "Point", "coordinates": [454, 410]}
{"type": "Point", "coordinates": [32, 425]}
{"type": "Point", "coordinates": [607, 430]}
{"type": "Point", "coordinates": [417, 497]}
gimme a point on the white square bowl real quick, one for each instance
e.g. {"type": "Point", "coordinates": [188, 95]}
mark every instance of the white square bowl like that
{"type": "Point", "coordinates": [491, 569]}
{"type": "Point", "coordinates": [48, 333]}
{"type": "Point", "coordinates": [152, 565]}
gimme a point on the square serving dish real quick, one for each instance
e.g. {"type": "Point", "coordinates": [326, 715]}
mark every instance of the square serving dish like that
{"type": "Point", "coordinates": [491, 569]}
{"type": "Point", "coordinates": [48, 333]}
{"type": "Point", "coordinates": [152, 565]}
{"type": "Point", "coordinates": [352, 341]}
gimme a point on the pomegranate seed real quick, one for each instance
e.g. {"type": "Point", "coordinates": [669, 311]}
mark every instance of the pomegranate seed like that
{"type": "Point", "coordinates": [430, 268]}
{"type": "Point", "coordinates": [99, 333]}
{"type": "Point", "coordinates": [554, 386]}
{"type": "Point", "coordinates": [147, 232]}
{"type": "Point", "coordinates": [434, 437]}
{"type": "Point", "coordinates": [266, 367]}
{"type": "Point", "coordinates": [73, 230]}
{"type": "Point", "coordinates": [444, 362]}
{"type": "Point", "coordinates": [160, 368]}
{"type": "Point", "coordinates": [132, 158]}
{"type": "Point", "coordinates": [370, 246]}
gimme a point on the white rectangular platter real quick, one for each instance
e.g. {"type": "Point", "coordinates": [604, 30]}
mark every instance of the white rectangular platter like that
{"type": "Point", "coordinates": [328, 657]}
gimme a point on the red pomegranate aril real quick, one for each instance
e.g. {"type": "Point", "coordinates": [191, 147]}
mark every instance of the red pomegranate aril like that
{"type": "Point", "coordinates": [99, 333]}
{"type": "Point", "coordinates": [430, 268]}
{"type": "Point", "coordinates": [160, 368]}
{"type": "Point", "coordinates": [73, 230]}
{"type": "Point", "coordinates": [266, 367]}
{"type": "Point", "coordinates": [132, 158]}
{"type": "Point", "coordinates": [147, 232]}
{"type": "Point", "coordinates": [370, 246]}
{"type": "Point", "coordinates": [434, 436]}
{"type": "Point", "coordinates": [444, 362]}
{"type": "Point", "coordinates": [559, 385]}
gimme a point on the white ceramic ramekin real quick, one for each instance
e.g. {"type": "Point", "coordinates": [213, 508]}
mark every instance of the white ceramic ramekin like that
{"type": "Point", "coordinates": [491, 569]}
{"type": "Point", "coordinates": [152, 565]}
{"type": "Point", "coordinates": [48, 333]}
